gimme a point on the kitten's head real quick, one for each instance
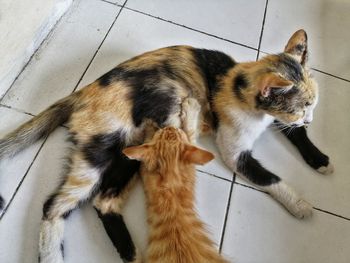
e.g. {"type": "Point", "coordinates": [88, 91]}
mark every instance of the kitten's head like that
{"type": "Point", "coordinates": [168, 150]}
{"type": "Point", "coordinates": [287, 90]}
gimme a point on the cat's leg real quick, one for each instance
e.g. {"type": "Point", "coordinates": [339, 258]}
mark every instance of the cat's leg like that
{"type": "Point", "coordinates": [78, 186]}
{"type": "Point", "coordinates": [190, 118]}
{"type": "Point", "coordinates": [311, 154]}
{"type": "Point", "coordinates": [108, 205]}
{"type": "Point", "coordinates": [236, 153]}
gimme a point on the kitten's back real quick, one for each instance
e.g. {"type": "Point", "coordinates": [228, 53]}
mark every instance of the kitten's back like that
{"type": "Point", "coordinates": [176, 233]}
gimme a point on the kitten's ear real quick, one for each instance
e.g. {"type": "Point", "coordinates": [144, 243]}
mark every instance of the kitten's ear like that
{"type": "Point", "coordinates": [137, 152]}
{"type": "Point", "coordinates": [297, 46]}
{"type": "Point", "coordinates": [196, 155]}
{"type": "Point", "coordinates": [273, 81]}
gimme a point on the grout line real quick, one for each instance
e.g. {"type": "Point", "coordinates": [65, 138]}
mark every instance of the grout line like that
{"type": "Point", "coordinates": [251, 187]}
{"type": "Point", "coordinates": [214, 175]}
{"type": "Point", "coordinates": [16, 109]}
{"type": "Point", "coordinates": [221, 38]}
{"type": "Point", "coordinates": [98, 48]}
{"type": "Point", "coordinates": [331, 75]}
{"type": "Point", "coordinates": [190, 28]}
{"type": "Point", "coordinates": [330, 213]}
{"type": "Point", "coordinates": [316, 208]}
{"type": "Point", "coordinates": [224, 39]}
{"type": "Point", "coordinates": [35, 52]}
{"type": "Point", "coordinates": [22, 180]}
{"type": "Point", "coordinates": [226, 214]}
{"type": "Point", "coordinates": [318, 70]}
{"type": "Point", "coordinates": [110, 2]}
{"type": "Point", "coordinates": [262, 30]}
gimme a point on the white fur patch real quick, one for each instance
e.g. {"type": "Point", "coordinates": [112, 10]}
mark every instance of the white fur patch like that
{"type": "Point", "coordinates": [50, 240]}
{"type": "Point", "coordinates": [290, 199]}
{"type": "Point", "coordinates": [326, 170]}
{"type": "Point", "coordinates": [240, 135]}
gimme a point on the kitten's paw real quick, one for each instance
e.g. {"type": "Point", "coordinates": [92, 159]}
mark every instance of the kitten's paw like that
{"type": "Point", "coordinates": [301, 209]}
{"type": "Point", "coordinates": [329, 169]}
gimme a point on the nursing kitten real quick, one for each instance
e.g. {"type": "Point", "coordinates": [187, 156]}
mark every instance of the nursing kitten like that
{"type": "Point", "coordinates": [110, 114]}
{"type": "Point", "coordinates": [176, 234]}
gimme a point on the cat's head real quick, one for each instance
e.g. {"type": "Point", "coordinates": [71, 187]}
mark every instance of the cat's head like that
{"type": "Point", "coordinates": [169, 149]}
{"type": "Point", "coordinates": [286, 89]}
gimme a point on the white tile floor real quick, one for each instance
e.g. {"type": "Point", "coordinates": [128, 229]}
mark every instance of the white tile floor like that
{"type": "Point", "coordinates": [247, 224]}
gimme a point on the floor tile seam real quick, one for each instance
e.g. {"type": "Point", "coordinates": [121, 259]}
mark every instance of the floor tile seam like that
{"type": "Point", "coordinates": [222, 238]}
{"type": "Point", "coordinates": [108, 2]}
{"type": "Point", "coordinates": [16, 109]}
{"type": "Point", "coordinates": [189, 28]}
{"type": "Point", "coordinates": [22, 180]}
{"type": "Point", "coordinates": [262, 29]}
{"type": "Point", "coordinates": [315, 208]}
{"type": "Point", "coordinates": [22, 111]}
{"type": "Point", "coordinates": [100, 45]}
{"type": "Point", "coordinates": [224, 39]}
{"type": "Point", "coordinates": [315, 69]}
{"type": "Point", "coordinates": [45, 40]}
{"type": "Point", "coordinates": [214, 175]}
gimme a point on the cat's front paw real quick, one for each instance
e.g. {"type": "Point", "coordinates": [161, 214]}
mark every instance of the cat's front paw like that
{"type": "Point", "coordinates": [190, 106]}
{"type": "Point", "coordinates": [301, 209]}
{"type": "Point", "coordinates": [326, 170]}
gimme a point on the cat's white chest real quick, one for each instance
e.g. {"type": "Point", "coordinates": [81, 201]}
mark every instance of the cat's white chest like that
{"type": "Point", "coordinates": [247, 127]}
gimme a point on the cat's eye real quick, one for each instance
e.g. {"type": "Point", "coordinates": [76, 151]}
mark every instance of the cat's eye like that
{"type": "Point", "coordinates": [307, 104]}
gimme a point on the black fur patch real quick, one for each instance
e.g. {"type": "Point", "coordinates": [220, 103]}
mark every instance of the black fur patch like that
{"type": "Point", "coordinates": [290, 68]}
{"type": "Point", "coordinates": [311, 154]}
{"type": "Point", "coordinates": [118, 175]}
{"type": "Point", "coordinates": [105, 151]}
{"type": "Point", "coordinates": [212, 65]}
{"type": "Point", "coordinates": [117, 231]}
{"type": "Point", "coordinates": [72, 138]}
{"type": "Point", "coordinates": [254, 171]}
{"type": "Point", "coordinates": [149, 100]}
{"type": "Point", "coordinates": [111, 76]}
{"type": "Point", "coordinates": [240, 82]}
{"type": "Point", "coordinates": [151, 103]}
{"type": "Point", "coordinates": [47, 206]}
{"type": "Point", "coordinates": [102, 148]}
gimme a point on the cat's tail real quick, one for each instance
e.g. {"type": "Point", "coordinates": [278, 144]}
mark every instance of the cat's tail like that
{"type": "Point", "coordinates": [37, 128]}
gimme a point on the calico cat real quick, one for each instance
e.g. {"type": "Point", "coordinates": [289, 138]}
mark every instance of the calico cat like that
{"type": "Point", "coordinates": [168, 172]}
{"type": "Point", "coordinates": [242, 99]}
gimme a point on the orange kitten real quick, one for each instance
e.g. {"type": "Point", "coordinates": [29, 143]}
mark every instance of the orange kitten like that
{"type": "Point", "coordinates": [168, 173]}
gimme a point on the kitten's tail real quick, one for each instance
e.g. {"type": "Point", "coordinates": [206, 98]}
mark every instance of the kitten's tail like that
{"type": "Point", "coordinates": [37, 128]}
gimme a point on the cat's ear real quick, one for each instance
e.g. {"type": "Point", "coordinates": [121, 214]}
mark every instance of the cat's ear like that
{"type": "Point", "coordinates": [137, 152]}
{"type": "Point", "coordinates": [273, 81]}
{"type": "Point", "coordinates": [297, 46]}
{"type": "Point", "coordinates": [196, 155]}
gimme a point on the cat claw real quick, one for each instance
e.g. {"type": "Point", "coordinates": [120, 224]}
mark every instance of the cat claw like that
{"type": "Point", "coordinates": [326, 170]}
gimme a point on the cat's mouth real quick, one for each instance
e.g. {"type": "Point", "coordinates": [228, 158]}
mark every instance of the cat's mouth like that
{"type": "Point", "coordinates": [298, 125]}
